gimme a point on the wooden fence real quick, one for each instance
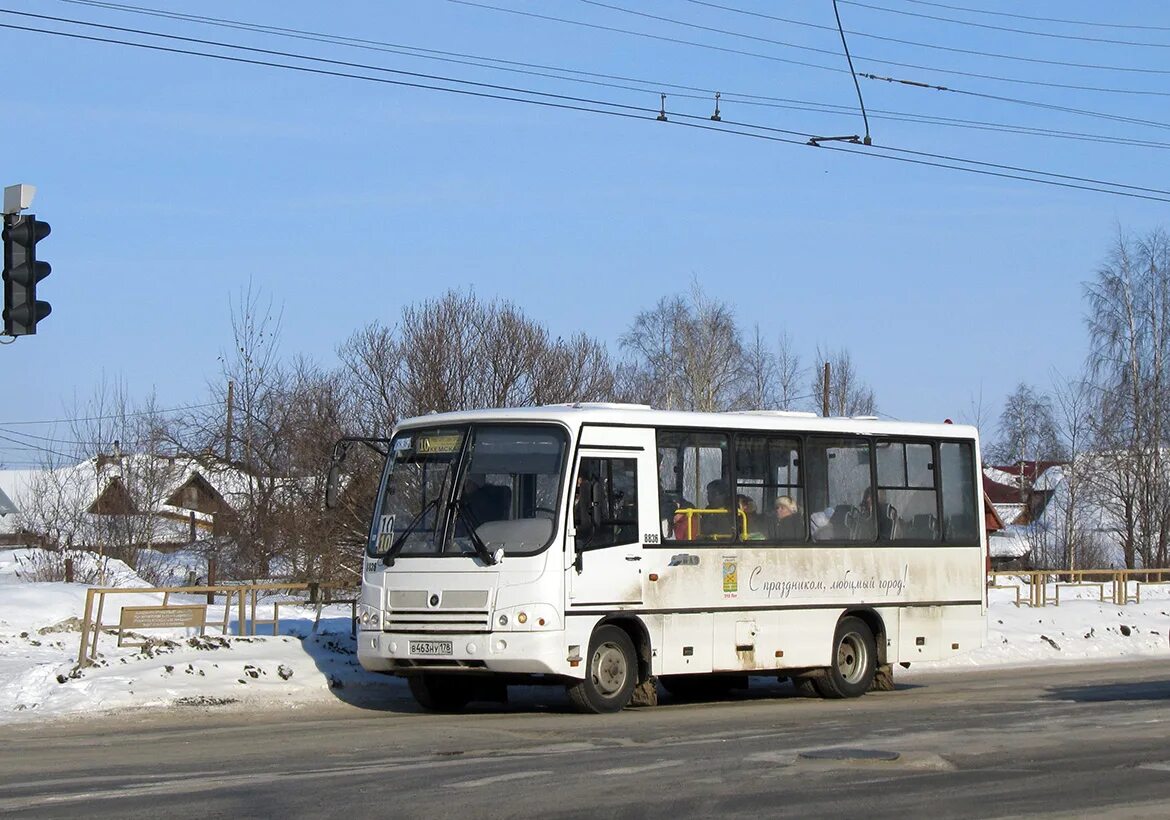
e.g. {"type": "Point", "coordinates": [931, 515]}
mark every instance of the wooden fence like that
{"type": "Point", "coordinates": [1118, 586]}
{"type": "Point", "coordinates": [236, 597]}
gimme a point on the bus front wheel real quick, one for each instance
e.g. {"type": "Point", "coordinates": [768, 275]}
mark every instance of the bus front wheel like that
{"type": "Point", "coordinates": [611, 673]}
{"type": "Point", "coordinates": [853, 663]}
{"type": "Point", "coordinates": [440, 693]}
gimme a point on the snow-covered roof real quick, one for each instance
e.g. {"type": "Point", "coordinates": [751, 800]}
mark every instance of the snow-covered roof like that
{"type": "Point", "coordinates": [6, 505]}
{"type": "Point", "coordinates": [1008, 513]}
{"type": "Point", "coordinates": [152, 484]}
{"type": "Point", "coordinates": [1008, 543]}
{"type": "Point", "coordinates": [1000, 476]}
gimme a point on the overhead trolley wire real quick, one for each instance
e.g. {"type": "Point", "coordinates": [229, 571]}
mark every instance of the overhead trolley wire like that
{"type": "Point", "coordinates": [576, 104]}
{"type": "Point", "coordinates": [1049, 34]}
{"type": "Point", "coordinates": [770, 41]}
{"type": "Point", "coordinates": [1032, 103]}
{"type": "Point", "coordinates": [375, 45]}
{"type": "Point", "coordinates": [935, 46]}
{"type": "Point", "coordinates": [1134, 26]}
{"type": "Point", "coordinates": [646, 86]}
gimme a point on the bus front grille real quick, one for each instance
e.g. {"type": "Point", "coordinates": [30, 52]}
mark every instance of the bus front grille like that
{"type": "Point", "coordinates": [434, 621]}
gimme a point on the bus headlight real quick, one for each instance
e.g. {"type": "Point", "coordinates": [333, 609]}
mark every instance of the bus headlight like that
{"type": "Point", "coordinates": [369, 617]}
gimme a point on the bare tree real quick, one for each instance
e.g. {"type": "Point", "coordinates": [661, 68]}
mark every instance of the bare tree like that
{"type": "Point", "coordinates": [848, 394]}
{"type": "Point", "coordinates": [761, 373]}
{"type": "Point", "coordinates": [688, 354]}
{"type": "Point", "coordinates": [574, 369]}
{"type": "Point", "coordinates": [1072, 417]}
{"type": "Point", "coordinates": [789, 374]}
{"type": "Point", "coordinates": [1027, 430]}
{"type": "Point", "coordinates": [370, 361]}
{"type": "Point", "coordinates": [1129, 329]}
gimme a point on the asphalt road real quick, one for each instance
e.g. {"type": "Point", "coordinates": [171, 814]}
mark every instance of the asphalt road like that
{"type": "Point", "coordinates": [1063, 741]}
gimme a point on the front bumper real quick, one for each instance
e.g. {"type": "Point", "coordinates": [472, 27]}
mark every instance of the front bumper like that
{"type": "Point", "coordinates": [530, 653]}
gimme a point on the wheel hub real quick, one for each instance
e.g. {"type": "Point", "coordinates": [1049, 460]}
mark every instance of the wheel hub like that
{"type": "Point", "coordinates": [609, 669]}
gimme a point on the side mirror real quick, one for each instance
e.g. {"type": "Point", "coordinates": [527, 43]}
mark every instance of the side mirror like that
{"type": "Point", "coordinates": [331, 485]}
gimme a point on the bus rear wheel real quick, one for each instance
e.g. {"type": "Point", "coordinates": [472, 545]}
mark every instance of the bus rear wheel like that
{"type": "Point", "coordinates": [440, 693]}
{"type": "Point", "coordinates": [853, 664]}
{"type": "Point", "coordinates": [611, 673]}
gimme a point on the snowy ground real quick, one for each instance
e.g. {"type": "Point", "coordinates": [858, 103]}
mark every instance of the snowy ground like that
{"type": "Point", "coordinates": [39, 638]}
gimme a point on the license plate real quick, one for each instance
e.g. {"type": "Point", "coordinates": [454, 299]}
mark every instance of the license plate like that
{"type": "Point", "coordinates": [430, 648]}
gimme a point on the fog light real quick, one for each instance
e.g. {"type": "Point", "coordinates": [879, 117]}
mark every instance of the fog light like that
{"type": "Point", "coordinates": [522, 618]}
{"type": "Point", "coordinates": [471, 648]}
{"type": "Point", "coordinates": [393, 648]}
{"type": "Point", "coordinates": [501, 645]}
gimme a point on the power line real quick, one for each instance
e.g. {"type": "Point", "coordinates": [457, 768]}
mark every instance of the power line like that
{"type": "Point", "coordinates": [917, 44]}
{"type": "Point", "coordinates": [650, 86]}
{"type": "Point", "coordinates": [658, 37]}
{"type": "Point", "coordinates": [1042, 19]}
{"type": "Point", "coordinates": [956, 72]}
{"type": "Point", "coordinates": [114, 415]}
{"type": "Point", "coordinates": [655, 85]}
{"type": "Point", "coordinates": [27, 446]}
{"type": "Point", "coordinates": [1049, 34]}
{"type": "Point", "coordinates": [984, 164]}
{"type": "Point", "coordinates": [999, 98]}
{"type": "Point", "coordinates": [826, 68]}
{"type": "Point", "coordinates": [644, 114]}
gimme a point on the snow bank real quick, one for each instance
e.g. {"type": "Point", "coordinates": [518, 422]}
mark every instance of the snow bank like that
{"type": "Point", "coordinates": [39, 637]}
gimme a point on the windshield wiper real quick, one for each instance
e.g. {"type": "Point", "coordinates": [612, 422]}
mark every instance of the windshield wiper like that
{"type": "Point", "coordinates": [477, 543]}
{"type": "Point", "coordinates": [400, 541]}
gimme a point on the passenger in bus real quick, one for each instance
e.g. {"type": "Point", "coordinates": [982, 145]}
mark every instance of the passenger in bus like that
{"type": "Point", "coordinates": [786, 525]}
{"type": "Point", "coordinates": [886, 515]}
{"type": "Point", "coordinates": [820, 524]}
{"type": "Point", "coordinates": [717, 495]}
{"type": "Point", "coordinates": [486, 502]}
{"type": "Point", "coordinates": [750, 522]}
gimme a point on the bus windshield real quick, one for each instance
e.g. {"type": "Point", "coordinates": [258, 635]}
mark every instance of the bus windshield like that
{"type": "Point", "coordinates": [449, 491]}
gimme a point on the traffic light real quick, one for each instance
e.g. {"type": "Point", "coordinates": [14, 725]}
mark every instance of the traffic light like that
{"type": "Point", "coordinates": [22, 271]}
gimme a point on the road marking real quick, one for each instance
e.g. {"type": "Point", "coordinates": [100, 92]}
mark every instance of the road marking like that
{"type": "Point", "coordinates": [649, 767]}
{"type": "Point", "coordinates": [499, 778]}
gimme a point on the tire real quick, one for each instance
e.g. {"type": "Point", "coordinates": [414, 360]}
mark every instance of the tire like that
{"type": "Point", "coordinates": [853, 662]}
{"type": "Point", "coordinates": [611, 673]}
{"type": "Point", "coordinates": [440, 693]}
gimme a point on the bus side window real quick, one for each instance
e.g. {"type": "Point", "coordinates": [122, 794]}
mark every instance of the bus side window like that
{"type": "Point", "coordinates": [607, 491]}
{"type": "Point", "coordinates": [694, 486]}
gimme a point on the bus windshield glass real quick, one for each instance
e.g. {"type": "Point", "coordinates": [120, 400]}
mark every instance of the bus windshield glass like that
{"type": "Point", "coordinates": [459, 491]}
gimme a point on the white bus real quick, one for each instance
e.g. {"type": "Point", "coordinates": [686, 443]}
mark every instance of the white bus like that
{"type": "Point", "coordinates": [606, 547]}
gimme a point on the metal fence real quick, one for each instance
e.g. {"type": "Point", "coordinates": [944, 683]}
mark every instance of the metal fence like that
{"type": "Point", "coordinates": [1118, 586]}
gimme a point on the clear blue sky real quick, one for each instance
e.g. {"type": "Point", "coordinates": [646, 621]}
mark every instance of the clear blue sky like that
{"type": "Point", "coordinates": [171, 181]}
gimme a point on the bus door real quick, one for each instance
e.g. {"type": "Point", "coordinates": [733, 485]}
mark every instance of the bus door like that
{"type": "Point", "coordinates": [615, 484]}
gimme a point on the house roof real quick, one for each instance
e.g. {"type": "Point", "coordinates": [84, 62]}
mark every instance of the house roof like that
{"type": "Point", "coordinates": [176, 487]}
{"type": "Point", "coordinates": [6, 505]}
{"type": "Point", "coordinates": [1029, 470]}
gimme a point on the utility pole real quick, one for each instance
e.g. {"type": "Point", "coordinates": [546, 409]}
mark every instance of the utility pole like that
{"type": "Point", "coordinates": [825, 393]}
{"type": "Point", "coordinates": [227, 441]}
